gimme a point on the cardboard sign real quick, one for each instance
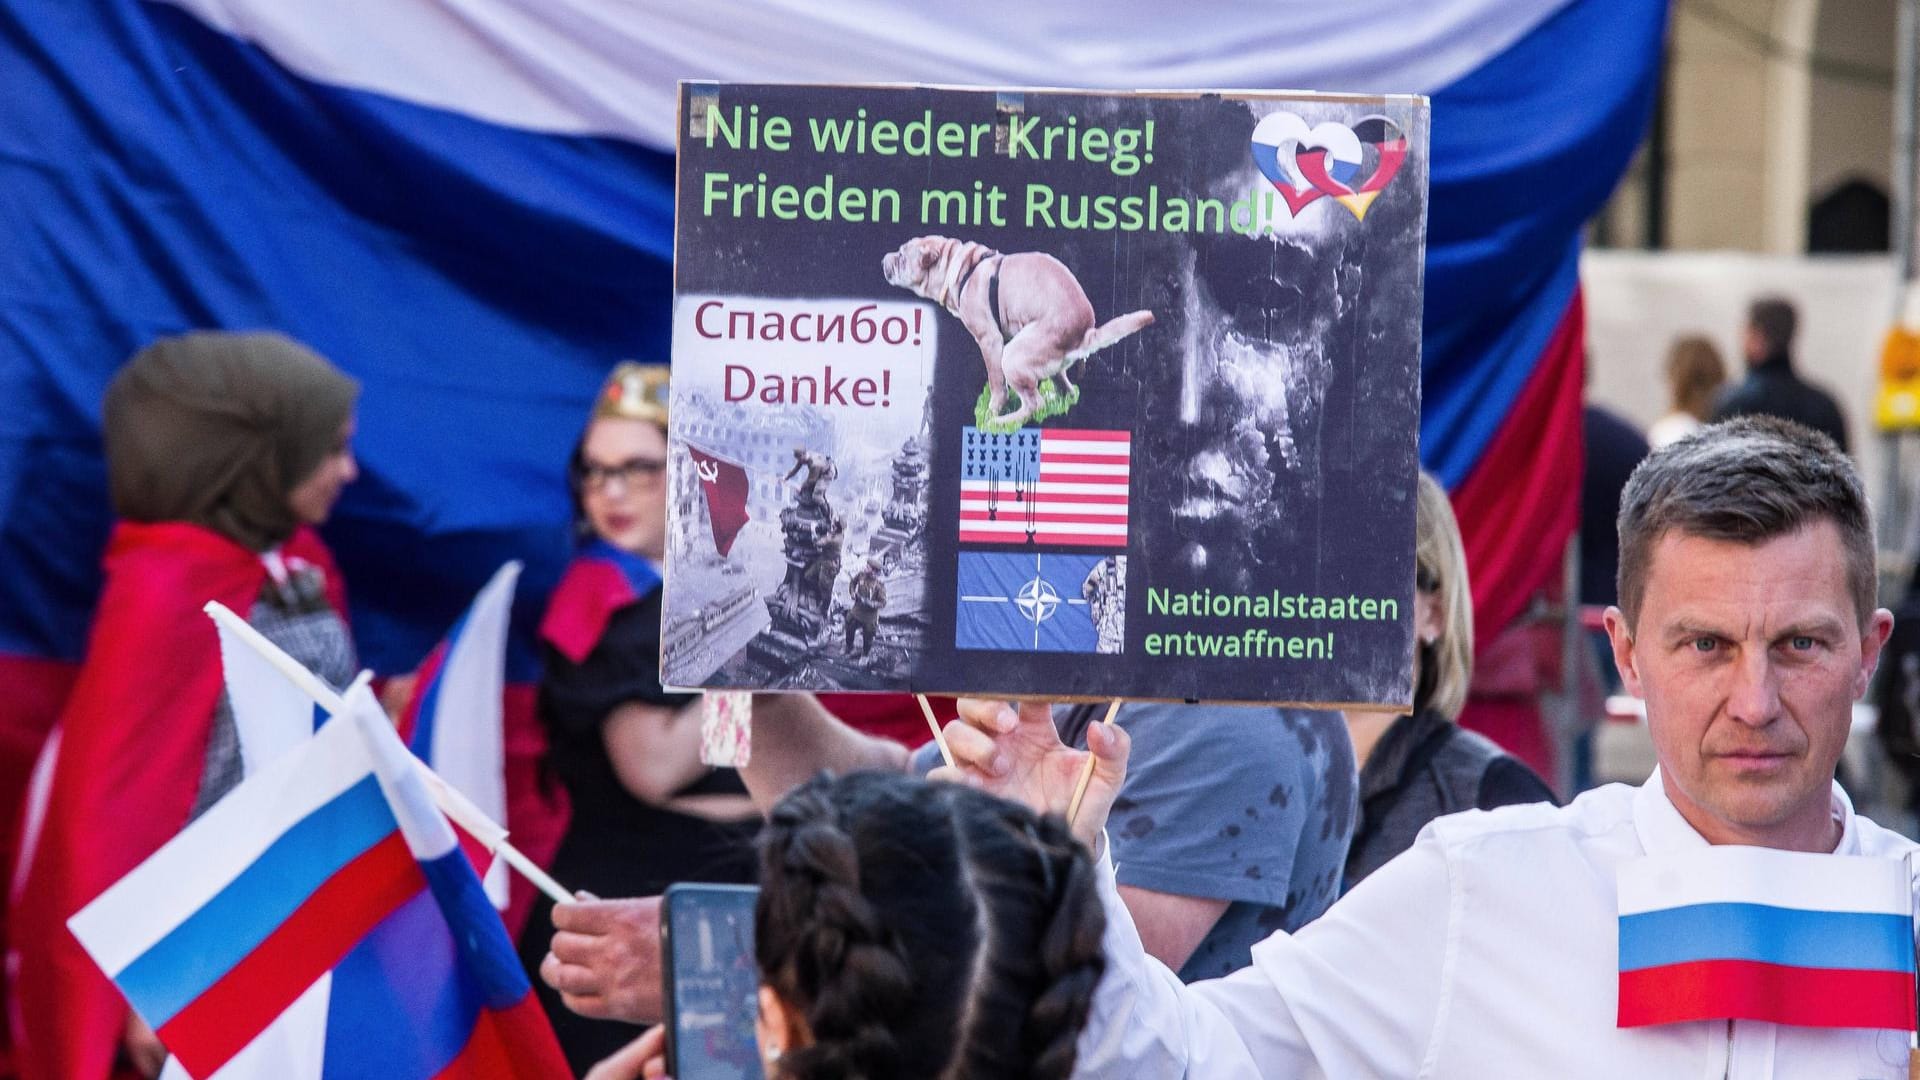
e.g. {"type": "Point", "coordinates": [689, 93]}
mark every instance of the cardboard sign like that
{"type": "Point", "coordinates": [1046, 393]}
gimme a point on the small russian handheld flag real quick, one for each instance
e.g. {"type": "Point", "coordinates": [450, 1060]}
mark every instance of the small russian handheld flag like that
{"type": "Point", "coordinates": [1748, 933]}
{"type": "Point", "coordinates": [331, 866]}
{"type": "Point", "coordinates": [455, 722]}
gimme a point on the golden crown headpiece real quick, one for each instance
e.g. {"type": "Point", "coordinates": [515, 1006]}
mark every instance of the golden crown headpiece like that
{"type": "Point", "coordinates": [634, 391]}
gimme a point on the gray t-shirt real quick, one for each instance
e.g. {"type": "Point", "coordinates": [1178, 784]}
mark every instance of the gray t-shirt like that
{"type": "Point", "coordinates": [1250, 805]}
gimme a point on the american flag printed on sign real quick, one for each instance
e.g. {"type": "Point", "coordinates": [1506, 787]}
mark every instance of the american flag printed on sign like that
{"type": "Point", "coordinates": [1046, 487]}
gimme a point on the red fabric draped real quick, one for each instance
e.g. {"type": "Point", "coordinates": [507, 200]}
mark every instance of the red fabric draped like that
{"type": "Point", "coordinates": [1521, 504]}
{"type": "Point", "coordinates": [133, 744]}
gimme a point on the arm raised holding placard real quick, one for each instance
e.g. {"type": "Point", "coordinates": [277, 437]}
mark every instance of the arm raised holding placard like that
{"type": "Point", "coordinates": [1016, 753]}
{"type": "Point", "coordinates": [795, 738]}
{"type": "Point", "coordinates": [1373, 962]}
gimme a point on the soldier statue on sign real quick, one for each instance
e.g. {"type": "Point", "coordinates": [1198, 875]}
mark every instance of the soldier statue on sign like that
{"type": "Point", "coordinates": [824, 570]}
{"type": "Point", "coordinates": [811, 539]}
{"type": "Point", "coordinates": [1105, 591]}
{"type": "Point", "coordinates": [869, 596]}
{"type": "Point", "coordinates": [819, 468]}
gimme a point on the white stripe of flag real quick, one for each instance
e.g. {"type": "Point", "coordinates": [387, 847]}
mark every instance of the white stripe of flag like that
{"type": "Point", "coordinates": [161, 893]}
{"type": "Point", "coordinates": [1734, 874]}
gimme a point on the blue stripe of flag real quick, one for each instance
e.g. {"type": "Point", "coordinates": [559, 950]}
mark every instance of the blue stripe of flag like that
{"type": "Point", "coordinates": [487, 955]}
{"type": "Point", "coordinates": [426, 718]}
{"type": "Point", "coordinates": [1790, 937]}
{"type": "Point", "coordinates": [639, 570]}
{"type": "Point", "coordinates": [437, 961]}
{"type": "Point", "coordinates": [197, 953]}
{"type": "Point", "coordinates": [399, 1008]}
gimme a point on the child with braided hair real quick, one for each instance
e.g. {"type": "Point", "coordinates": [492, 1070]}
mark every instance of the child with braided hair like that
{"type": "Point", "coordinates": [915, 929]}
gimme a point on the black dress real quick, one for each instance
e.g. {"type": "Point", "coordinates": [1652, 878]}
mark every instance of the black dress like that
{"type": "Point", "coordinates": [616, 845]}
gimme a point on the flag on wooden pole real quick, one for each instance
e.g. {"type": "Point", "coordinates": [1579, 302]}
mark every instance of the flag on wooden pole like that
{"type": "Point", "coordinates": [334, 860]}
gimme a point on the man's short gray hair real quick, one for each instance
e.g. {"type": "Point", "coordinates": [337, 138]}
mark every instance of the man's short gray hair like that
{"type": "Point", "coordinates": [1747, 480]}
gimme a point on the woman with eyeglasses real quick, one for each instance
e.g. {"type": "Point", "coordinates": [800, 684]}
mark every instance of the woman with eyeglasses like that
{"type": "Point", "coordinates": [645, 811]}
{"type": "Point", "coordinates": [1418, 767]}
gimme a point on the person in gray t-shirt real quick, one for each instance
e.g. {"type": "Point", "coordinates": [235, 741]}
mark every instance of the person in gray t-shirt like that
{"type": "Point", "coordinates": [1233, 823]}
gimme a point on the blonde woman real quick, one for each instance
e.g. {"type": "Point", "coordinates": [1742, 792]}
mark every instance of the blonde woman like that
{"type": "Point", "coordinates": [1417, 767]}
{"type": "Point", "coordinates": [1695, 374]}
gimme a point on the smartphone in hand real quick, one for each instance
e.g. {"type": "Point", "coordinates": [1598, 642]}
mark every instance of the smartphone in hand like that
{"type": "Point", "coordinates": [712, 982]}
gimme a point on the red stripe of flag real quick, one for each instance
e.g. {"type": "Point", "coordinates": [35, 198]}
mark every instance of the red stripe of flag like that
{"type": "Point", "coordinates": [1045, 516]}
{"type": "Point", "coordinates": [485, 1056]}
{"type": "Point", "coordinates": [1516, 508]}
{"type": "Point", "coordinates": [1057, 477]}
{"type": "Point", "coordinates": [1085, 435]}
{"type": "Point", "coordinates": [513, 1044]}
{"type": "Point", "coordinates": [1051, 457]}
{"type": "Point", "coordinates": [221, 1022]}
{"type": "Point", "coordinates": [1750, 990]}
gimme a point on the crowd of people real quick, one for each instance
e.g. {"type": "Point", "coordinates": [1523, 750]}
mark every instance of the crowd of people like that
{"type": "Point", "coordinates": [1246, 891]}
{"type": "Point", "coordinates": [1700, 392]}
{"type": "Point", "coordinates": [1479, 943]}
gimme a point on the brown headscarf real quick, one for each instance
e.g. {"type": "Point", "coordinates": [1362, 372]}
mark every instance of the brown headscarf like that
{"type": "Point", "coordinates": [217, 429]}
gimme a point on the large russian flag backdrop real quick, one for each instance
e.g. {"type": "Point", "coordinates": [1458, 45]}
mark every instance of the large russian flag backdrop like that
{"type": "Point", "coordinates": [469, 207]}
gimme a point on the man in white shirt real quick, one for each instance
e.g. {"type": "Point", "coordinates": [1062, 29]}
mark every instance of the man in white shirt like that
{"type": "Point", "coordinates": [1490, 949]}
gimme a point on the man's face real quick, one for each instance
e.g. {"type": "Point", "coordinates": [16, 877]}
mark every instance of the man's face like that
{"type": "Point", "coordinates": [1749, 657]}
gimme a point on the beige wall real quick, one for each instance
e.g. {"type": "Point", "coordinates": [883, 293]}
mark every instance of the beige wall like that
{"type": "Point", "coordinates": [1852, 130]}
{"type": "Point", "coordinates": [1717, 129]}
{"type": "Point", "coordinates": [1755, 130]}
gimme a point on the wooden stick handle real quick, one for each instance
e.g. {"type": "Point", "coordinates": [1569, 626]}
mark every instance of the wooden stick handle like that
{"type": "Point", "coordinates": [939, 737]}
{"type": "Point", "coordinates": [315, 687]}
{"type": "Point", "coordinates": [1086, 774]}
{"type": "Point", "coordinates": [531, 871]}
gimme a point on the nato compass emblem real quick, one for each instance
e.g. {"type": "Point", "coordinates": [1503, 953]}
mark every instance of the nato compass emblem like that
{"type": "Point", "coordinates": [1025, 602]}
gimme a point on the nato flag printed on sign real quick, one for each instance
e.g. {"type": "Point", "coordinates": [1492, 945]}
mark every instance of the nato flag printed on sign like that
{"type": "Point", "coordinates": [1027, 602]}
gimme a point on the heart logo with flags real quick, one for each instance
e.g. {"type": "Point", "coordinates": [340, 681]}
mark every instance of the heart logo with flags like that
{"type": "Point", "coordinates": [1351, 165]}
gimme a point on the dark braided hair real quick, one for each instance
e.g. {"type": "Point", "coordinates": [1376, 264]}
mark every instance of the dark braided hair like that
{"type": "Point", "coordinates": [926, 930]}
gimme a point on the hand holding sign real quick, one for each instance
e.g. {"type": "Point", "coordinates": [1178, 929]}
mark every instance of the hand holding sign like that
{"type": "Point", "coordinates": [1017, 754]}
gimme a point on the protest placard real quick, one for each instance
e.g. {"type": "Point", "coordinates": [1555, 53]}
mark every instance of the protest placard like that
{"type": "Point", "coordinates": [1045, 392]}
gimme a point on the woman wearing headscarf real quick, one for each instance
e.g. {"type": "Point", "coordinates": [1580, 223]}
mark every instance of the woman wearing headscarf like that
{"type": "Point", "coordinates": [646, 811]}
{"type": "Point", "coordinates": [223, 451]}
